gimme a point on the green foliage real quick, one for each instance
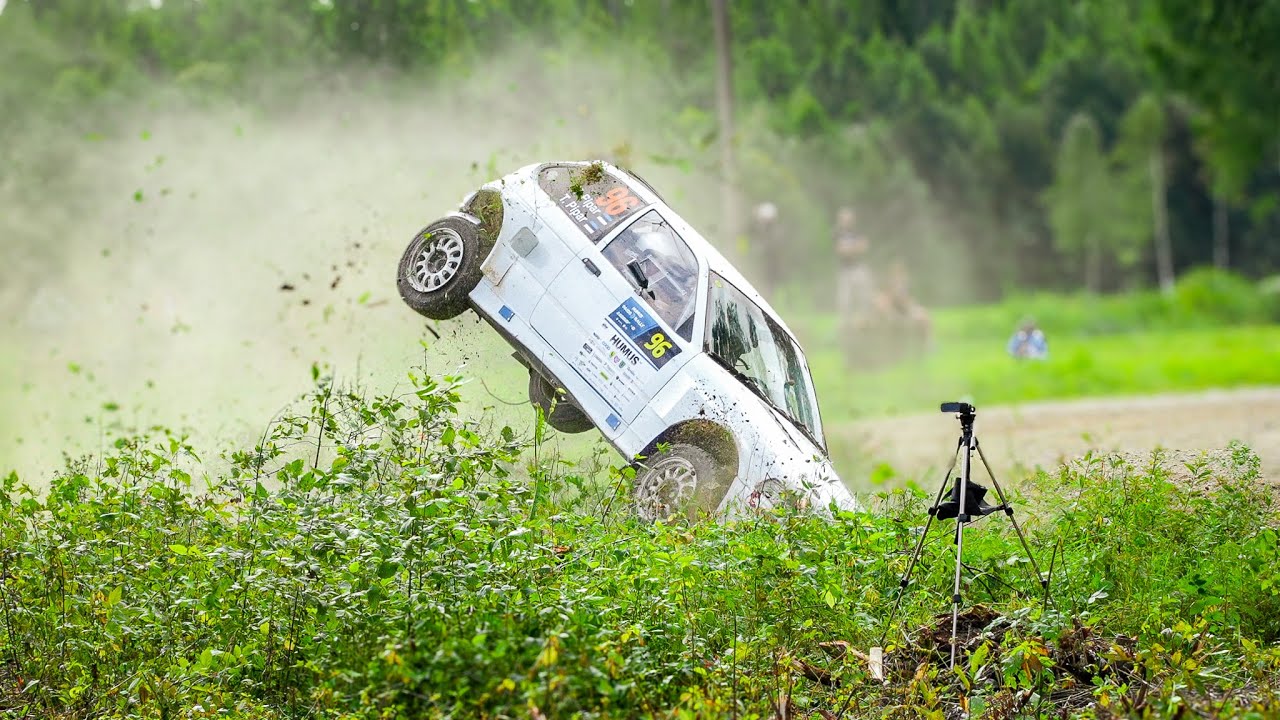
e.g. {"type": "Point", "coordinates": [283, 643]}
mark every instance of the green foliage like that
{"type": "Point", "coordinates": [375, 557]}
{"type": "Point", "coordinates": [1204, 298]}
{"type": "Point", "coordinates": [1211, 296]}
{"type": "Point", "coordinates": [1100, 203]}
{"type": "Point", "coordinates": [1119, 522]}
{"type": "Point", "coordinates": [1223, 57]}
{"type": "Point", "coordinates": [970, 102]}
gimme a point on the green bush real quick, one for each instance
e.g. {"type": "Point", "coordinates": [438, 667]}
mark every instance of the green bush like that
{"type": "Point", "coordinates": [1270, 286]}
{"type": "Point", "coordinates": [1205, 297]}
{"type": "Point", "coordinates": [1224, 298]}
{"type": "Point", "coordinates": [1160, 548]}
{"type": "Point", "coordinates": [379, 558]}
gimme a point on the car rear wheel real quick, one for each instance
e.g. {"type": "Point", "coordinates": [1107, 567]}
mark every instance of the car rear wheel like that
{"type": "Point", "coordinates": [682, 480]}
{"type": "Point", "coordinates": [440, 268]}
{"type": "Point", "coordinates": [556, 408]}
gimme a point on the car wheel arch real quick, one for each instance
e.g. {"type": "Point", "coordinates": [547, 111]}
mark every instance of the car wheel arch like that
{"type": "Point", "coordinates": [687, 441]}
{"type": "Point", "coordinates": [711, 436]}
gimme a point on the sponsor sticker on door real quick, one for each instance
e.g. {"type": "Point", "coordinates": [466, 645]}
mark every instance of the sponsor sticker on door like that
{"type": "Point", "coordinates": [644, 333]}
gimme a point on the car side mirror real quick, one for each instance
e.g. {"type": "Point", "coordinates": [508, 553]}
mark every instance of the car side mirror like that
{"type": "Point", "coordinates": [637, 272]}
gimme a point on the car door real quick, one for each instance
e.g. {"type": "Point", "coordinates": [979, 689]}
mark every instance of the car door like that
{"type": "Point", "coordinates": [623, 315]}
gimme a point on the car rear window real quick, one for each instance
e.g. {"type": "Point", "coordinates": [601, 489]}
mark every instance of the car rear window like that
{"type": "Point", "coordinates": [590, 196]}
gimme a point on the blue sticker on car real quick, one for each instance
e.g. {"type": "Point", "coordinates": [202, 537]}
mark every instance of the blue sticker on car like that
{"type": "Point", "coordinates": [644, 332]}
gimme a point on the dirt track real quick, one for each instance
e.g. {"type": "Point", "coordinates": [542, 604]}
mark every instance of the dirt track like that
{"type": "Point", "coordinates": [1019, 438]}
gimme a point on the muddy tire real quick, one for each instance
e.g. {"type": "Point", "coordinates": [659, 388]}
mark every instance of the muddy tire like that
{"type": "Point", "coordinates": [440, 268]}
{"type": "Point", "coordinates": [564, 416]}
{"type": "Point", "coordinates": [683, 480]}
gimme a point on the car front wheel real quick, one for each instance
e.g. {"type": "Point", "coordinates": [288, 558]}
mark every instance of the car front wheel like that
{"type": "Point", "coordinates": [682, 480]}
{"type": "Point", "coordinates": [440, 268]}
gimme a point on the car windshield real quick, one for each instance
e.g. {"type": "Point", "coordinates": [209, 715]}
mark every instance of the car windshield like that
{"type": "Point", "coordinates": [753, 346]}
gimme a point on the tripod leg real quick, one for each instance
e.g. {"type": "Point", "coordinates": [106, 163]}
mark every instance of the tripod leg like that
{"type": "Point", "coordinates": [915, 555]}
{"type": "Point", "coordinates": [961, 519]}
{"type": "Point", "coordinates": [1004, 502]}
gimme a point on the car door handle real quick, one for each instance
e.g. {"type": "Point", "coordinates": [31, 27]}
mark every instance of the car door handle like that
{"type": "Point", "coordinates": [591, 266]}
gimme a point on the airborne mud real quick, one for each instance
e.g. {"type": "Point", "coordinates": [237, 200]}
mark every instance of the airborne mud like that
{"type": "Point", "coordinates": [189, 261]}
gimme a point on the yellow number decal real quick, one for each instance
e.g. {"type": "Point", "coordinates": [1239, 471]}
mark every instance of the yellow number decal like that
{"type": "Point", "coordinates": [657, 345]}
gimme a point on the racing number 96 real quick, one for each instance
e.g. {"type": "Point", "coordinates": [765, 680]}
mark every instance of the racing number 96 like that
{"type": "Point", "coordinates": [658, 345]}
{"type": "Point", "coordinates": [617, 201]}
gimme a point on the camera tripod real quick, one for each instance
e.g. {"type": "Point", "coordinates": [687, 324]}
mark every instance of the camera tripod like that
{"type": "Point", "coordinates": [965, 503]}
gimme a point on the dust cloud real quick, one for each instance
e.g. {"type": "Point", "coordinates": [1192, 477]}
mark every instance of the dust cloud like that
{"type": "Point", "coordinates": [189, 262]}
{"type": "Point", "coordinates": [198, 260]}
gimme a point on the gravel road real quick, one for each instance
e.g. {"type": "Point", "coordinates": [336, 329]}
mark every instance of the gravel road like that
{"type": "Point", "coordinates": [1019, 438]}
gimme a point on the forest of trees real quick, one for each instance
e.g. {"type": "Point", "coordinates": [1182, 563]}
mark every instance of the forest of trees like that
{"type": "Point", "coordinates": [1106, 144]}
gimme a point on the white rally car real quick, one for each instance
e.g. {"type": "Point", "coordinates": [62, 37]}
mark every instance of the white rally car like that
{"type": "Point", "coordinates": [630, 322]}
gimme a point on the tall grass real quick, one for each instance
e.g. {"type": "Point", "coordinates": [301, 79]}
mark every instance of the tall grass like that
{"type": "Point", "coordinates": [378, 557]}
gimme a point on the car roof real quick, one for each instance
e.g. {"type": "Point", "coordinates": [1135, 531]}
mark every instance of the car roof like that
{"type": "Point", "coordinates": [716, 261]}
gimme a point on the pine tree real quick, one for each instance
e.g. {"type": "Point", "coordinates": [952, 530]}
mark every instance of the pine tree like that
{"type": "Point", "coordinates": [1079, 197]}
{"type": "Point", "coordinates": [1141, 162]}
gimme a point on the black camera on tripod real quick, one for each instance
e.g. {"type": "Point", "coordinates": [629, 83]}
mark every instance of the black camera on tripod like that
{"type": "Point", "coordinates": [974, 493]}
{"type": "Point", "coordinates": [964, 504]}
{"type": "Point", "coordinates": [973, 504]}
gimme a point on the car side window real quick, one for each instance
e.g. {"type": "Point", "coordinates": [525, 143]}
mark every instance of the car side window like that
{"type": "Point", "coordinates": [661, 268]}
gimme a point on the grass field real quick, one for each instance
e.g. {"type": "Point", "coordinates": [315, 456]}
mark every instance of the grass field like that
{"type": "Point", "coordinates": [979, 371]}
{"type": "Point", "coordinates": [1216, 330]}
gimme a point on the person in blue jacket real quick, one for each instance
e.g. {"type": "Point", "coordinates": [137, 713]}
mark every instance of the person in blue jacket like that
{"type": "Point", "coordinates": [1029, 342]}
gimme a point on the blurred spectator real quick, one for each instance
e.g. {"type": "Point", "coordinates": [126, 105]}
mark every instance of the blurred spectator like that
{"type": "Point", "coordinates": [907, 319]}
{"type": "Point", "coordinates": [855, 286]}
{"type": "Point", "coordinates": [1029, 342]}
{"type": "Point", "coordinates": [766, 244]}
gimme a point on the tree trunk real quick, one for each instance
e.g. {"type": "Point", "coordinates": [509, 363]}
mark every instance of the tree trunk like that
{"type": "Point", "coordinates": [1093, 264]}
{"type": "Point", "coordinates": [1221, 258]}
{"type": "Point", "coordinates": [724, 105]}
{"type": "Point", "coordinates": [1160, 218]}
